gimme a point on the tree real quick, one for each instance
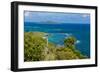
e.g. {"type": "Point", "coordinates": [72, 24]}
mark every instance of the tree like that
{"type": "Point", "coordinates": [70, 42]}
{"type": "Point", "coordinates": [34, 45]}
{"type": "Point", "coordinates": [36, 49]}
{"type": "Point", "coordinates": [65, 54]}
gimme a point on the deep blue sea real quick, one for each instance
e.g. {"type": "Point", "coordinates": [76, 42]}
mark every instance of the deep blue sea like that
{"type": "Point", "coordinates": [59, 31]}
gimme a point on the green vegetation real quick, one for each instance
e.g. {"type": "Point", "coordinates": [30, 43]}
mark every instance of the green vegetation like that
{"type": "Point", "coordinates": [70, 42]}
{"type": "Point", "coordinates": [36, 49]}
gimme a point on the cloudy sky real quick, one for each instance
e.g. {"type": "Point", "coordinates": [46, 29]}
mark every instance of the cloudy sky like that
{"type": "Point", "coordinates": [56, 17]}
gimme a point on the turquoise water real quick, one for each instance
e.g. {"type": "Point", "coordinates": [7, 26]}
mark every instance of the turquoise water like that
{"type": "Point", "coordinates": [58, 32]}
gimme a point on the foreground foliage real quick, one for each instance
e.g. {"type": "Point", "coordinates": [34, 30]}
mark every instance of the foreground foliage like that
{"type": "Point", "coordinates": [36, 49]}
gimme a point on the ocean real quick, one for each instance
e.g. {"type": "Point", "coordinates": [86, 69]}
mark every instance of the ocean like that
{"type": "Point", "coordinates": [60, 31]}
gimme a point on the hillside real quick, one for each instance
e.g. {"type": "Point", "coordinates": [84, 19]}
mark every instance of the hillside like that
{"type": "Point", "coordinates": [36, 49]}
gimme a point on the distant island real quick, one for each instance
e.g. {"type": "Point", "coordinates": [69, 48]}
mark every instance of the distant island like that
{"type": "Point", "coordinates": [50, 22]}
{"type": "Point", "coordinates": [38, 48]}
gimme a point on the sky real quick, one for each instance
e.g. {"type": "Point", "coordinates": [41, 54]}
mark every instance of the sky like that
{"type": "Point", "coordinates": [56, 17]}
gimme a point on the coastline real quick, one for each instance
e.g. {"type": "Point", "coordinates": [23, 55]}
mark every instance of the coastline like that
{"type": "Point", "coordinates": [52, 52]}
